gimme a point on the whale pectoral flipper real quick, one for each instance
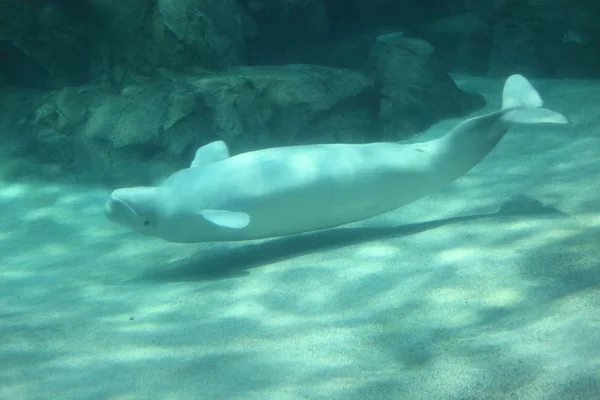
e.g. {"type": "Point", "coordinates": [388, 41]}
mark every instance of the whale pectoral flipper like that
{"type": "Point", "coordinates": [226, 219]}
{"type": "Point", "coordinates": [210, 153]}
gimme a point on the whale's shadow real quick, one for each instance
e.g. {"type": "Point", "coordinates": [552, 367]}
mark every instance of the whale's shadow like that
{"type": "Point", "coordinates": [235, 260]}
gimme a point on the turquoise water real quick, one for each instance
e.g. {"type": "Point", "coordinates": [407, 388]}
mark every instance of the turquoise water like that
{"type": "Point", "coordinates": [486, 306]}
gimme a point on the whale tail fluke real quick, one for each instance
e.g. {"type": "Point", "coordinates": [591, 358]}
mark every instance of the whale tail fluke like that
{"type": "Point", "coordinates": [525, 104]}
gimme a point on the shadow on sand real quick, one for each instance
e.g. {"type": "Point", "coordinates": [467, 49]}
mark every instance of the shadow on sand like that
{"type": "Point", "coordinates": [227, 262]}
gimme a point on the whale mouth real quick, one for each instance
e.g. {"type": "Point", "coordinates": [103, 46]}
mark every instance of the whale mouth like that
{"type": "Point", "coordinates": [109, 208]}
{"type": "Point", "coordinates": [118, 211]}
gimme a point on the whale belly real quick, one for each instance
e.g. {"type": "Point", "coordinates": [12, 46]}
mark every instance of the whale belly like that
{"type": "Point", "coordinates": [304, 189]}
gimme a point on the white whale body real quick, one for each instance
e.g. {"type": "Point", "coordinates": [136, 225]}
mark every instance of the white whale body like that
{"type": "Point", "coordinates": [289, 190]}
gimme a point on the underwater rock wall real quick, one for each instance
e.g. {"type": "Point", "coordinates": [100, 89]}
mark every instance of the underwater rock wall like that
{"type": "Point", "coordinates": [119, 91]}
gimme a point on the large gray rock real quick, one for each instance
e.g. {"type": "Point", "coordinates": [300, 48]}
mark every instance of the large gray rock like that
{"type": "Point", "coordinates": [46, 44]}
{"type": "Point", "coordinates": [148, 129]}
{"type": "Point", "coordinates": [553, 40]}
{"type": "Point", "coordinates": [175, 34]}
{"type": "Point", "coordinates": [144, 130]}
{"type": "Point", "coordinates": [463, 42]}
{"type": "Point", "coordinates": [416, 91]}
{"type": "Point", "coordinates": [57, 43]}
{"type": "Point", "coordinates": [74, 42]}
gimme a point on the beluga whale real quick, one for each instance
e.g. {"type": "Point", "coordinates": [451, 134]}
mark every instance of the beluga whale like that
{"type": "Point", "coordinates": [294, 189]}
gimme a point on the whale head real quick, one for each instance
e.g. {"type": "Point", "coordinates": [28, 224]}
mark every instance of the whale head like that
{"type": "Point", "coordinates": [153, 211]}
{"type": "Point", "coordinates": [136, 208]}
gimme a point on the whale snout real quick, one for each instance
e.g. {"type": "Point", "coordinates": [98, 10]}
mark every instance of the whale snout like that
{"type": "Point", "coordinates": [118, 211]}
{"type": "Point", "coordinates": [133, 208]}
{"type": "Point", "coordinates": [110, 207]}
